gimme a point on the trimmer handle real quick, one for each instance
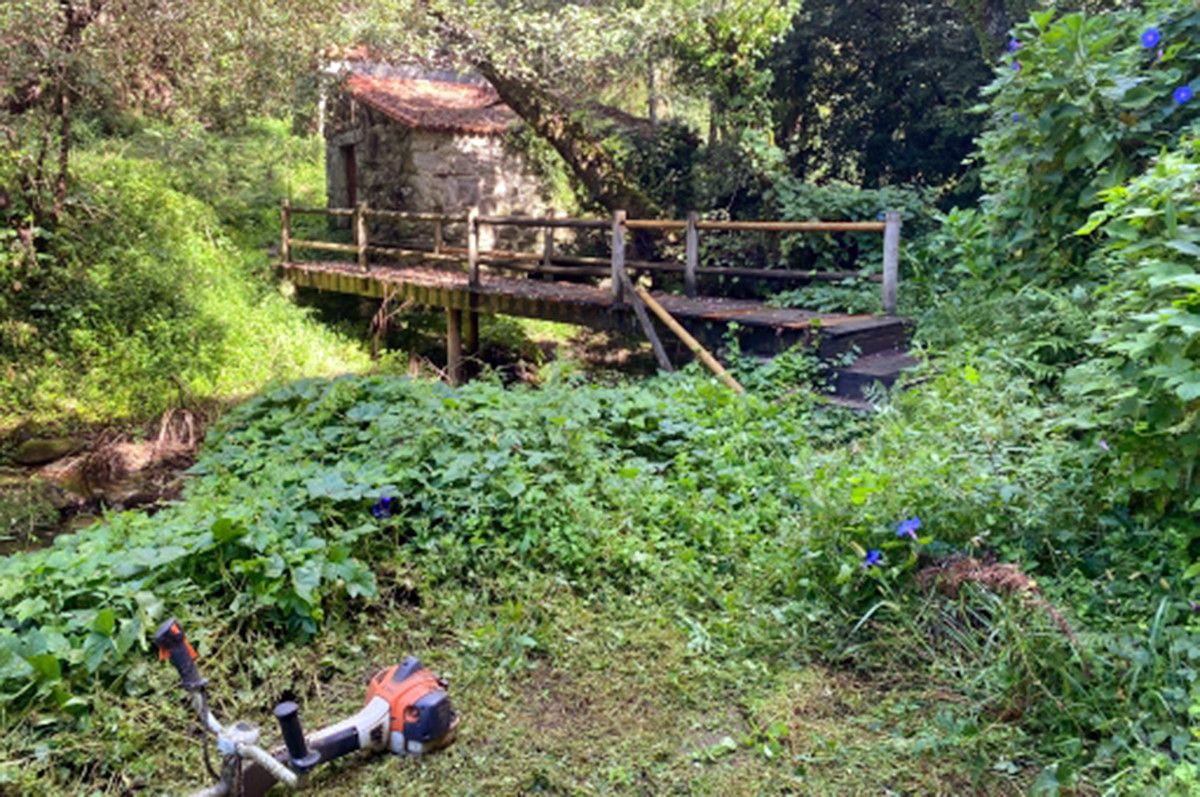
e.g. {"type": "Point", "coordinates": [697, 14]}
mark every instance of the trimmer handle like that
{"type": "Point", "coordinates": [301, 757]}
{"type": "Point", "coordinates": [173, 644]}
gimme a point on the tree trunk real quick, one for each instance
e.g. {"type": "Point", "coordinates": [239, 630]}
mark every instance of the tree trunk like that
{"type": "Point", "coordinates": [595, 168]}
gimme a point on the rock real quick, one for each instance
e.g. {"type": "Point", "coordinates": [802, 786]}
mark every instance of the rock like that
{"type": "Point", "coordinates": [40, 451]}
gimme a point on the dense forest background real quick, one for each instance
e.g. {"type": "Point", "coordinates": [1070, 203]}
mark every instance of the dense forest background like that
{"type": "Point", "coordinates": [1046, 156]}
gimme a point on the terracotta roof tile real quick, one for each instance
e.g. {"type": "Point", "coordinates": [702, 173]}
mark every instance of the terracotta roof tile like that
{"type": "Point", "coordinates": [434, 104]}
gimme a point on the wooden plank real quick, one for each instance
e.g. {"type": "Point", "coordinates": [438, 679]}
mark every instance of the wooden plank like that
{"type": "Point", "coordinates": [891, 261]}
{"type": "Point", "coordinates": [689, 341]}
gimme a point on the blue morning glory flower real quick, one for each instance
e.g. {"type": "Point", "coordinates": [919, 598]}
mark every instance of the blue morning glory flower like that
{"type": "Point", "coordinates": [1183, 94]}
{"type": "Point", "coordinates": [384, 507]}
{"type": "Point", "coordinates": [1014, 44]}
{"type": "Point", "coordinates": [908, 528]}
{"type": "Point", "coordinates": [1016, 117]}
{"type": "Point", "coordinates": [1016, 66]}
{"type": "Point", "coordinates": [873, 558]}
{"type": "Point", "coordinates": [1151, 38]}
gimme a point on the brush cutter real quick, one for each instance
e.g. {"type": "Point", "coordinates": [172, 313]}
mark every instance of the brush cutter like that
{"type": "Point", "coordinates": [407, 712]}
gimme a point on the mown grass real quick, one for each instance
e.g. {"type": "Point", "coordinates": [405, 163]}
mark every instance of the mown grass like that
{"type": "Point", "coordinates": [610, 700]}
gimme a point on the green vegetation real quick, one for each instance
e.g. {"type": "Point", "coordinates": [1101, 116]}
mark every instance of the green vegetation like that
{"type": "Point", "coordinates": [651, 586]}
{"type": "Point", "coordinates": [729, 516]}
{"type": "Point", "coordinates": [157, 296]}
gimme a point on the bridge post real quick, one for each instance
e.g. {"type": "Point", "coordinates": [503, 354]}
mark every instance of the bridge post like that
{"type": "Point", "coordinates": [473, 246]}
{"type": "Point", "coordinates": [618, 254]}
{"type": "Point", "coordinates": [548, 242]}
{"type": "Point", "coordinates": [693, 253]}
{"type": "Point", "coordinates": [472, 284]}
{"type": "Point", "coordinates": [285, 230]}
{"type": "Point", "coordinates": [454, 347]}
{"type": "Point", "coordinates": [360, 234]}
{"type": "Point", "coordinates": [891, 261]}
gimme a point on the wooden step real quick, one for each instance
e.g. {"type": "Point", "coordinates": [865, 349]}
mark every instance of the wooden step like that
{"type": "Point", "coordinates": [855, 380]}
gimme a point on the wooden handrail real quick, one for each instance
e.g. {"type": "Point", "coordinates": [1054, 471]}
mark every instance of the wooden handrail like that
{"type": "Point", "coordinates": [792, 226]}
{"type": "Point", "coordinates": [404, 215]}
{"type": "Point", "coordinates": [324, 211]}
{"type": "Point", "coordinates": [544, 222]}
{"type": "Point", "coordinates": [325, 246]}
{"type": "Point", "coordinates": [618, 224]}
{"type": "Point", "coordinates": [547, 222]}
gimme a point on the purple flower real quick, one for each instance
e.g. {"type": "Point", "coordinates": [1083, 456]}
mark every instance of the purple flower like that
{"type": "Point", "coordinates": [1151, 38]}
{"type": "Point", "coordinates": [908, 528]}
{"type": "Point", "coordinates": [873, 558]}
{"type": "Point", "coordinates": [1016, 117]}
{"type": "Point", "coordinates": [1016, 66]}
{"type": "Point", "coordinates": [384, 507]}
{"type": "Point", "coordinates": [1014, 44]}
{"type": "Point", "coordinates": [1103, 444]}
{"type": "Point", "coordinates": [1183, 94]}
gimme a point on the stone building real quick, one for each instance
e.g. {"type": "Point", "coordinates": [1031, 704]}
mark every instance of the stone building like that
{"type": "Point", "coordinates": [404, 138]}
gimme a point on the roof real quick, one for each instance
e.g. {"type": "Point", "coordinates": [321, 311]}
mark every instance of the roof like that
{"type": "Point", "coordinates": [434, 104]}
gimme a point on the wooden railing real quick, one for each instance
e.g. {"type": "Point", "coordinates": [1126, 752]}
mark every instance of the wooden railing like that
{"type": "Point", "coordinates": [616, 266]}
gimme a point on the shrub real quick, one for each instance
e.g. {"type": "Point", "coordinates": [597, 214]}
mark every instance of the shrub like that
{"type": "Point", "coordinates": [1145, 381]}
{"type": "Point", "coordinates": [1079, 108]}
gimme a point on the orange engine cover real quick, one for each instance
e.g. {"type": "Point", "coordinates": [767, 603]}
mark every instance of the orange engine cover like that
{"type": "Point", "coordinates": [415, 696]}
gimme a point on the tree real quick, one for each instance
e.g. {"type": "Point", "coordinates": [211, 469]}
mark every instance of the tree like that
{"type": "Point", "coordinates": [553, 63]}
{"type": "Point", "coordinates": [878, 98]}
{"type": "Point", "coordinates": [215, 61]}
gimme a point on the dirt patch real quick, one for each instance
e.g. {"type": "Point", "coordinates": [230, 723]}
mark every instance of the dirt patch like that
{"type": "Point", "coordinates": [106, 469]}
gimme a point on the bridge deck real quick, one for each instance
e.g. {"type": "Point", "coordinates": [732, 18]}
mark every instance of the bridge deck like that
{"type": "Point", "coordinates": [763, 329]}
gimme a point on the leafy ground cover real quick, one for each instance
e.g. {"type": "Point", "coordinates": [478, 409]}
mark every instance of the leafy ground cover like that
{"type": "Point", "coordinates": [543, 539]}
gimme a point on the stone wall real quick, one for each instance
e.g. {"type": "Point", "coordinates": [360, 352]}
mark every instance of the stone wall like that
{"type": "Point", "coordinates": [402, 168]}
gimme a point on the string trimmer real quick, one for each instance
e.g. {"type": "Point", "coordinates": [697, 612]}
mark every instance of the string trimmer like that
{"type": "Point", "coordinates": [407, 712]}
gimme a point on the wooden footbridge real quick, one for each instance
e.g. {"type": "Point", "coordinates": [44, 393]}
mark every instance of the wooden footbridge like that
{"type": "Point", "coordinates": [600, 292]}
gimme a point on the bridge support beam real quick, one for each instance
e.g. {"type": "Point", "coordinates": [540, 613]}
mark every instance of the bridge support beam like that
{"type": "Point", "coordinates": [472, 344]}
{"type": "Point", "coordinates": [454, 347]}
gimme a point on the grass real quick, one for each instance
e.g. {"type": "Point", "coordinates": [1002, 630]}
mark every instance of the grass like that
{"type": "Point", "coordinates": [610, 701]}
{"type": "Point", "coordinates": [161, 293]}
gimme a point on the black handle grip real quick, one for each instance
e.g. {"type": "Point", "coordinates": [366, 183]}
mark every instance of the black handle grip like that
{"type": "Point", "coordinates": [173, 644]}
{"type": "Point", "coordinates": [302, 759]}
